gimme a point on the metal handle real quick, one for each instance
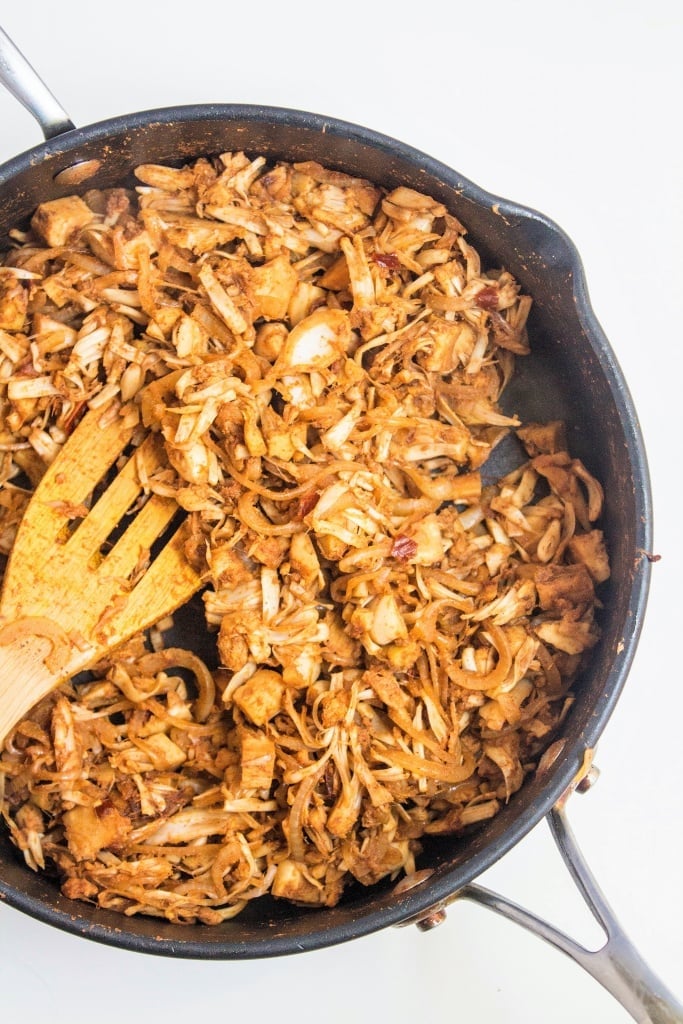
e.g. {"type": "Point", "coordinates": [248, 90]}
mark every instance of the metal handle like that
{"type": "Point", "coordinates": [617, 965]}
{"type": "Point", "coordinates": [25, 84]}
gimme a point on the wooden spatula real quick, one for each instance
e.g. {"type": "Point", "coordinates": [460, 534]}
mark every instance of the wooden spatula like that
{"type": "Point", "coordinates": [70, 596]}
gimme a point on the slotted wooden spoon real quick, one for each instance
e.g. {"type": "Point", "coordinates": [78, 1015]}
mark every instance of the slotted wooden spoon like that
{"type": "Point", "coordinates": [70, 596]}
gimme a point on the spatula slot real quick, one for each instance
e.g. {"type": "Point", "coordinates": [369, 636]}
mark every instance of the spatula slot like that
{"type": "Point", "coordinates": [140, 541]}
{"type": "Point", "coordinates": [117, 500]}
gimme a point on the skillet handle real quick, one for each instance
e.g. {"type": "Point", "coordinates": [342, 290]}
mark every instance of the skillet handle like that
{"type": "Point", "coordinates": [17, 75]}
{"type": "Point", "coordinates": [617, 965]}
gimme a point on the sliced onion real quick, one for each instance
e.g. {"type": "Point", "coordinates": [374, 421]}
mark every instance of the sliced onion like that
{"type": "Point", "coordinates": [488, 680]}
{"type": "Point", "coordinates": [161, 661]}
{"type": "Point", "coordinates": [295, 837]}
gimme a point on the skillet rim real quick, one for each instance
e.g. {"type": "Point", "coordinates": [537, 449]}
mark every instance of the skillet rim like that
{"type": "Point", "coordinates": [386, 910]}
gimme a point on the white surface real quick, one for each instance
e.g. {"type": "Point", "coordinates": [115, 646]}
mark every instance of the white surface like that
{"type": "Point", "coordinates": [574, 111]}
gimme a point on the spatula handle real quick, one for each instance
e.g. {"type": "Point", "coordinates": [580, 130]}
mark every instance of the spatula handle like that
{"type": "Point", "coordinates": [36, 655]}
{"type": "Point", "coordinates": [24, 679]}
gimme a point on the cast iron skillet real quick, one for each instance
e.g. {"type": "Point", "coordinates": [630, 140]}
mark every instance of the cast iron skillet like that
{"type": "Point", "coordinates": [572, 374]}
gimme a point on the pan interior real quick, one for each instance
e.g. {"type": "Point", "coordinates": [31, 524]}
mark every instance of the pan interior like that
{"type": "Point", "coordinates": [571, 374]}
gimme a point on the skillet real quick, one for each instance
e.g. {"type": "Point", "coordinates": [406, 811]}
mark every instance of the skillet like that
{"type": "Point", "coordinates": [572, 374]}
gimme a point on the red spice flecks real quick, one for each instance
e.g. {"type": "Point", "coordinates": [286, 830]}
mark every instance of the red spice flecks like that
{"type": "Point", "coordinates": [487, 298]}
{"type": "Point", "coordinates": [73, 417]}
{"type": "Point", "coordinates": [26, 368]}
{"type": "Point", "coordinates": [103, 809]}
{"type": "Point", "coordinates": [307, 503]}
{"type": "Point", "coordinates": [386, 260]}
{"type": "Point", "coordinates": [403, 548]}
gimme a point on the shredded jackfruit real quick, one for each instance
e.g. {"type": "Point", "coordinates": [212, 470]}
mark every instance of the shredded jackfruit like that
{"type": "Point", "coordinates": [396, 640]}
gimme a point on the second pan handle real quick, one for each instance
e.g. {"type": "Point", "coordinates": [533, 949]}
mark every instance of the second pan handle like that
{"type": "Point", "coordinates": [617, 965]}
{"type": "Point", "coordinates": [26, 85]}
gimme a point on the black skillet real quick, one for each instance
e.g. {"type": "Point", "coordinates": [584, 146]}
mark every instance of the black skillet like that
{"type": "Point", "coordinates": [572, 374]}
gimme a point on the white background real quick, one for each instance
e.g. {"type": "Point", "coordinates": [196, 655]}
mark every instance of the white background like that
{"type": "Point", "coordinates": [574, 110]}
